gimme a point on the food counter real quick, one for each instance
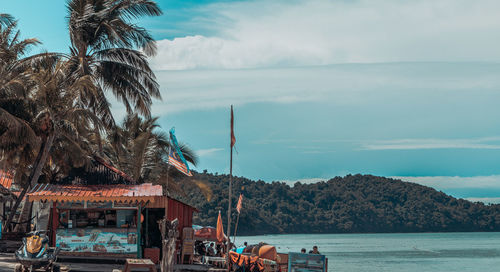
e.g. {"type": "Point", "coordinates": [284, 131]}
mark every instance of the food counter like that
{"type": "Point", "coordinates": [98, 240]}
{"type": "Point", "coordinates": [96, 229]}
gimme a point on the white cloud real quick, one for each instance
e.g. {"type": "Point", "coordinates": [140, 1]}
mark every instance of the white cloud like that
{"type": "Point", "coordinates": [442, 183]}
{"type": "Point", "coordinates": [408, 144]}
{"type": "Point", "coordinates": [314, 32]}
{"type": "Point", "coordinates": [447, 182]}
{"type": "Point", "coordinates": [303, 181]}
{"type": "Point", "coordinates": [437, 182]}
{"type": "Point", "coordinates": [348, 84]}
{"type": "Point", "coordinates": [208, 151]}
{"type": "Point", "coordinates": [485, 200]}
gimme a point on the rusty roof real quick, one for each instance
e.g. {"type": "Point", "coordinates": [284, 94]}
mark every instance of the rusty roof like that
{"type": "Point", "coordinates": [96, 193]}
{"type": "Point", "coordinates": [6, 179]}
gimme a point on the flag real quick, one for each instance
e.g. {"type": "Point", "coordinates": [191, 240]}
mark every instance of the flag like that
{"type": "Point", "coordinates": [238, 206]}
{"type": "Point", "coordinates": [177, 148]}
{"type": "Point", "coordinates": [233, 139]}
{"type": "Point", "coordinates": [220, 229]}
{"type": "Point", "coordinates": [174, 160]}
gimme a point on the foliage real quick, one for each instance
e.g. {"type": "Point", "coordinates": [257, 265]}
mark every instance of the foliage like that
{"type": "Point", "coordinates": [350, 204]}
{"type": "Point", "coordinates": [106, 45]}
{"type": "Point", "coordinates": [140, 148]}
{"type": "Point", "coordinates": [18, 139]}
{"type": "Point", "coordinates": [6, 19]}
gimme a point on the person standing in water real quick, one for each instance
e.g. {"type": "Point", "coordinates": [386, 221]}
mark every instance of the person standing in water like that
{"type": "Point", "coordinates": [315, 250]}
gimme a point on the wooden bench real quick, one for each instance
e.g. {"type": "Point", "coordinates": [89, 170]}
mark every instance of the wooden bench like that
{"type": "Point", "coordinates": [131, 264]}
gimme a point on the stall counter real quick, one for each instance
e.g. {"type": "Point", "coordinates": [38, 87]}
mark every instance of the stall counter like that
{"type": "Point", "coordinates": [97, 240]}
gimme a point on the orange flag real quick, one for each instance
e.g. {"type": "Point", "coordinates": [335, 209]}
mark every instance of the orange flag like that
{"type": "Point", "coordinates": [240, 200]}
{"type": "Point", "coordinates": [233, 139]}
{"type": "Point", "coordinates": [220, 229]}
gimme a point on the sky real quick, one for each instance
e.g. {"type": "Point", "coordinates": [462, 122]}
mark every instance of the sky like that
{"type": "Point", "coordinates": [406, 89]}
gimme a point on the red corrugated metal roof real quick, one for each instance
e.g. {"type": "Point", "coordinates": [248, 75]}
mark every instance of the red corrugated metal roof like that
{"type": "Point", "coordinates": [6, 179]}
{"type": "Point", "coordinates": [105, 193]}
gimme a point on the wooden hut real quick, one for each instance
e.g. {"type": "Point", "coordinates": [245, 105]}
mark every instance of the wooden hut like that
{"type": "Point", "coordinates": [100, 211]}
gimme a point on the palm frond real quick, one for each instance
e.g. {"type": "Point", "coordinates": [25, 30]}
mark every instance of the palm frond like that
{"type": "Point", "coordinates": [129, 84]}
{"type": "Point", "coordinates": [15, 133]}
{"type": "Point", "coordinates": [105, 44]}
{"type": "Point", "coordinates": [6, 19]}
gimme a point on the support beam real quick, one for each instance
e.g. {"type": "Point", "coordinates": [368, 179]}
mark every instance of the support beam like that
{"type": "Point", "coordinates": [139, 238]}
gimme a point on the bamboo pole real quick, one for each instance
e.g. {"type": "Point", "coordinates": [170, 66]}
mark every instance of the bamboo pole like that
{"type": "Point", "coordinates": [236, 228]}
{"type": "Point", "coordinates": [139, 236]}
{"type": "Point", "coordinates": [230, 193]}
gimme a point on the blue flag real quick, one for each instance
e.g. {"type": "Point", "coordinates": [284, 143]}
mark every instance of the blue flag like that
{"type": "Point", "coordinates": [177, 148]}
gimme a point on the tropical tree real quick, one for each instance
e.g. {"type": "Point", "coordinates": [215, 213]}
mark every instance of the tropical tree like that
{"type": "Point", "coordinates": [105, 55]}
{"type": "Point", "coordinates": [18, 141]}
{"type": "Point", "coordinates": [60, 119]}
{"type": "Point", "coordinates": [140, 148]}
{"type": "Point", "coordinates": [107, 46]}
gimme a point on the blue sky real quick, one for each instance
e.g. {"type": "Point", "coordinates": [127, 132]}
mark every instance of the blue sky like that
{"type": "Point", "coordinates": [404, 89]}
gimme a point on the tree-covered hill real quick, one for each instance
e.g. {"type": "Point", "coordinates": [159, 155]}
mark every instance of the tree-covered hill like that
{"type": "Point", "coordinates": [354, 203]}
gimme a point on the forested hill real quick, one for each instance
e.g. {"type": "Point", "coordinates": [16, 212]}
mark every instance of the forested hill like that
{"type": "Point", "coordinates": [354, 203]}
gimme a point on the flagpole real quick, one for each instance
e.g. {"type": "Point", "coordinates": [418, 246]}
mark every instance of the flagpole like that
{"type": "Point", "coordinates": [168, 168]}
{"type": "Point", "coordinates": [236, 228]}
{"type": "Point", "coordinates": [230, 192]}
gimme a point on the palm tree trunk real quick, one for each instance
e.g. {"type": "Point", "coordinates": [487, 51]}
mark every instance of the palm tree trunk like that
{"type": "Point", "coordinates": [34, 175]}
{"type": "Point", "coordinates": [139, 165]}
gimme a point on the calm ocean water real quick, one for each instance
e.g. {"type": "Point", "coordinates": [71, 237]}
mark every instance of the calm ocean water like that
{"type": "Point", "coordinates": [476, 251]}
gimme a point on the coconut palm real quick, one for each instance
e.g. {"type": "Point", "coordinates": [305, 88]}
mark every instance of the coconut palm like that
{"type": "Point", "coordinates": [18, 141]}
{"type": "Point", "coordinates": [13, 62]}
{"type": "Point", "coordinates": [139, 148]}
{"type": "Point", "coordinates": [106, 46]}
{"type": "Point", "coordinates": [60, 118]}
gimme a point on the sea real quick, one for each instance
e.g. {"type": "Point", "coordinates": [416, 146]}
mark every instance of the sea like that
{"type": "Point", "coordinates": [412, 252]}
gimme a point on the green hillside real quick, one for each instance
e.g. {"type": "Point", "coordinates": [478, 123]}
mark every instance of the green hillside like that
{"type": "Point", "coordinates": [350, 204]}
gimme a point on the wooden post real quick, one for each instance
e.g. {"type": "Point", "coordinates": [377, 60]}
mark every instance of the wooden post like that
{"type": "Point", "coordinates": [139, 251]}
{"type": "Point", "coordinates": [236, 228]}
{"type": "Point", "coordinates": [146, 230]}
{"type": "Point", "coordinates": [55, 223]}
{"type": "Point", "coordinates": [169, 233]}
{"type": "Point", "coordinates": [228, 248]}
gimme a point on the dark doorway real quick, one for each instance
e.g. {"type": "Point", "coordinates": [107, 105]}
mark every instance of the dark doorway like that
{"type": "Point", "coordinates": [152, 234]}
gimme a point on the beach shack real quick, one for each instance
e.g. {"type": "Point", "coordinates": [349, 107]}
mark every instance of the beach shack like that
{"type": "Point", "coordinates": [96, 220]}
{"type": "Point", "coordinates": [106, 219]}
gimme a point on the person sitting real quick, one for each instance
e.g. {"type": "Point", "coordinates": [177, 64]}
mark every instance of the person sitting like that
{"type": "Point", "coordinates": [219, 249]}
{"type": "Point", "coordinates": [200, 248]}
{"type": "Point", "coordinates": [314, 251]}
{"type": "Point", "coordinates": [211, 250]}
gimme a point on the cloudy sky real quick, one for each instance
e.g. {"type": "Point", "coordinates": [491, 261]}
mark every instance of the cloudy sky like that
{"type": "Point", "coordinates": [394, 88]}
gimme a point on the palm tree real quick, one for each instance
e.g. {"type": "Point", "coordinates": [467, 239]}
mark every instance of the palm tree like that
{"type": "Point", "coordinates": [18, 140]}
{"type": "Point", "coordinates": [105, 45]}
{"type": "Point", "coordinates": [60, 118]}
{"type": "Point", "coordinates": [105, 56]}
{"type": "Point", "coordinates": [139, 148]}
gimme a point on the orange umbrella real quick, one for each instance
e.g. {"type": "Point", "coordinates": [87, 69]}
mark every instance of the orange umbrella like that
{"type": "Point", "coordinates": [220, 229]}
